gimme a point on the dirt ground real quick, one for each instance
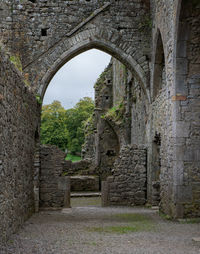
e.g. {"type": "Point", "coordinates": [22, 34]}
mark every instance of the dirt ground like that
{"type": "Point", "coordinates": [90, 229]}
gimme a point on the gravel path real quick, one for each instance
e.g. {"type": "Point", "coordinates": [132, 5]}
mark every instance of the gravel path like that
{"type": "Point", "coordinates": [83, 230]}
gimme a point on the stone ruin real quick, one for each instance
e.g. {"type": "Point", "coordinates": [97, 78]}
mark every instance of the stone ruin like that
{"type": "Point", "coordinates": [149, 109]}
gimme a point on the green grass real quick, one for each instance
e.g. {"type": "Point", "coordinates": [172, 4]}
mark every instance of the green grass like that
{"type": "Point", "coordinates": [132, 217]}
{"type": "Point", "coordinates": [72, 158]}
{"type": "Point", "coordinates": [189, 221]}
{"type": "Point", "coordinates": [131, 223]}
{"type": "Point", "coordinates": [165, 216]}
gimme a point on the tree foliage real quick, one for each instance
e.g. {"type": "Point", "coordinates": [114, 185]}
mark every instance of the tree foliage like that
{"type": "Point", "coordinates": [65, 128]}
{"type": "Point", "coordinates": [53, 125]}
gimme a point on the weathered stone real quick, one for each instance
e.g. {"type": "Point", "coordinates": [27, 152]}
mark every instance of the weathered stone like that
{"type": "Point", "coordinates": [163, 63]}
{"type": "Point", "coordinates": [19, 115]}
{"type": "Point", "coordinates": [104, 194]}
{"type": "Point", "coordinates": [85, 183]}
{"type": "Point", "coordinates": [122, 185]}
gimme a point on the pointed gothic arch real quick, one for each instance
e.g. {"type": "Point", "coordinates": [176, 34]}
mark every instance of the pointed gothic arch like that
{"type": "Point", "coordinates": [159, 66]}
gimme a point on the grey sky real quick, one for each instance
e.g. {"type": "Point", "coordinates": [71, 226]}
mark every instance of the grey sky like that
{"type": "Point", "coordinates": [76, 78]}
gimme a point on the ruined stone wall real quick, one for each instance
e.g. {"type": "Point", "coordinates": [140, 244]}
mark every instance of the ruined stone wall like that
{"type": "Point", "coordinates": [106, 141]}
{"type": "Point", "coordinates": [85, 183]}
{"type": "Point", "coordinates": [82, 167]}
{"type": "Point", "coordinates": [51, 169]}
{"type": "Point", "coordinates": [127, 185]}
{"type": "Point", "coordinates": [163, 115]}
{"type": "Point", "coordinates": [54, 168]}
{"type": "Point", "coordinates": [19, 113]}
{"type": "Point", "coordinates": [139, 116]}
{"type": "Point", "coordinates": [119, 81]}
{"type": "Point", "coordinates": [88, 148]}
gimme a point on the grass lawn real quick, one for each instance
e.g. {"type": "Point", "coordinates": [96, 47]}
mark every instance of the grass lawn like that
{"type": "Point", "coordinates": [72, 158]}
{"type": "Point", "coordinates": [126, 223]}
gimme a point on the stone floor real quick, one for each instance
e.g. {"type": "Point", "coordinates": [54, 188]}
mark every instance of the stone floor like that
{"type": "Point", "coordinates": [96, 230]}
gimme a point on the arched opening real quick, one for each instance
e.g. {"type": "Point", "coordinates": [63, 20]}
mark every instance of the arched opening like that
{"type": "Point", "coordinates": [102, 143]}
{"type": "Point", "coordinates": [159, 79]}
{"type": "Point", "coordinates": [187, 108]}
{"type": "Point", "coordinates": [101, 45]}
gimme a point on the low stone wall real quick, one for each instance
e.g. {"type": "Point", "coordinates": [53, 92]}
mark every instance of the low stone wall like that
{"type": "Point", "coordinates": [83, 167]}
{"type": "Point", "coordinates": [53, 171]}
{"type": "Point", "coordinates": [84, 183]}
{"type": "Point", "coordinates": [51, 191]}
{"type": "Point", "coordinates": [128, 185]}
{"type": "Point", "coordinates": [19, 114]}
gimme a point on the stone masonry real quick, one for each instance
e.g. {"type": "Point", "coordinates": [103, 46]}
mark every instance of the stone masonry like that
{"type": "Point", "coordinates": [51, 194]}
{"type": "Point", "coordinates": [127, 185]}
{"type": "Point", "coordinates": [53, 171]}
{"type": "Point", "coordinates": [19, 115]}
{"type": "Point", "coordinates": [158, 43]}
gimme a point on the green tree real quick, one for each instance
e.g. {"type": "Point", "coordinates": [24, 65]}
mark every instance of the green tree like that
{"type": "Point", "coordinates": [65, 128]}
{"type": "Point", "coordinates": [53, 125]}
{"type": "Point", "coordinates": [76, 118]}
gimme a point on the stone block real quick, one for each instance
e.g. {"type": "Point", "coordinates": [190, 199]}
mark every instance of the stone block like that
{"type": "Point", "coordinates": [183, 193]}
{"type": "Point", "coordinates": [182, 129]}
{"type": "Point", "coordinates": [84, 183]}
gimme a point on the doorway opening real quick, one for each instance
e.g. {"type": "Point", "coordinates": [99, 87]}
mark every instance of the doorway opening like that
{"type": "Point", "coordinates": [78, 140]}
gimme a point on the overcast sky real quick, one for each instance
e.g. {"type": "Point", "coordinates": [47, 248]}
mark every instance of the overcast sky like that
{"type": "Point", "coordinates": [76, 78]}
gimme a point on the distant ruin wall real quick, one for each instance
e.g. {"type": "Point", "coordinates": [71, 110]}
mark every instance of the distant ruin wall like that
{"type": "Point", "coordinates": [84, 183]}
{"type": "Point", "coordinates": [127, 186]}
{"type": "Point", "coordinates": [119, 80]}
{"type": "Point", "coordinates": [19, 114]}
{"type": "Point", "coordinates": [53, 170]}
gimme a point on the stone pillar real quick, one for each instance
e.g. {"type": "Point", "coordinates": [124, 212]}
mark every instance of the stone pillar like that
{"type": "Point", "coordinates": [104, 193]}
{"type": "Point", "coordinates": [67, 192]}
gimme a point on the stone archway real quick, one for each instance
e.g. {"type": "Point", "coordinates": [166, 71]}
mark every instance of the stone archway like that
{"type": "Point", "coordinates": [77, 47]}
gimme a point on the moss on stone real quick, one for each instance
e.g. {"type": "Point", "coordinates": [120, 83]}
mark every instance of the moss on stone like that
{"type": "Point", "coordinates": [116, 113]}
{"type": "Point", "coordinates": [89, 126]}
{"type": "Point", "coordinates": [17, 62]}
{"type": "Point", "coordinates": [38, 98]}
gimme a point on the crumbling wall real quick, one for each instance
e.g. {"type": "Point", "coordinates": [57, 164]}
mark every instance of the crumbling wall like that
{"type": "Point", "coordinates": [125, 114]}
{"type": "Point", "coordinates": [106, 139]}
{"type": "Point", "coordinates": [82, 167]}
{"type": "Point", "coordinates": [128, 184]}
{"type": "Point", "coordinates": [88, 148]}
{"type": "Point", "coordinates": [19, 114]}
{"type": "Point", "coordinates": [119, 78]}
{"type": "Point", "coordinates": [54, 168]}
{"type": "Point", "coordinates": [84, 183]}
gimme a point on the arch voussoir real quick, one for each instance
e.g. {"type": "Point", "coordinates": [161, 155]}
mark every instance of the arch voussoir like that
{"type": "Point", "coordinates": [97, 37]}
